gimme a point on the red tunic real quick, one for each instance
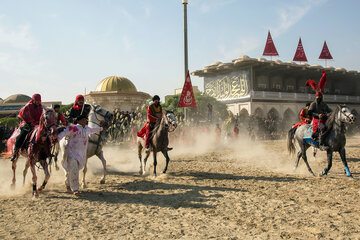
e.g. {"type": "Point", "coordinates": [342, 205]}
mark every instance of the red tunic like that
{"type": "Point", "coordinates": [30, 114]}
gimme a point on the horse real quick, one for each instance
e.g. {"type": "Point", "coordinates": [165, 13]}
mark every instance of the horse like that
{"type": "Point", "coordinates": [97, 116]}
{"type": "Point", "coordinates": [159, 141]}
{"type": "Point", "coordinates": [335, 139]}
{"type": "Point", "coordinates": [36, 148]}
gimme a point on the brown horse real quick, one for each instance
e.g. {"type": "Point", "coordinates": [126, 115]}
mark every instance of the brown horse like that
{"type": "Point", "coordinates": [36, 148]}
{"type": "Point", "coordinates": [159, 141]}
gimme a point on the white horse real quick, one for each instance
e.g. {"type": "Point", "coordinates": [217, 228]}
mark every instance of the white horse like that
{"type": "Point", "coordinates": [96, 142]}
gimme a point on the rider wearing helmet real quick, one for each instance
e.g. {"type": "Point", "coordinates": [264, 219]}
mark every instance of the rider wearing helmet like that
{"type": "Point", "coordinates": [30, 115]}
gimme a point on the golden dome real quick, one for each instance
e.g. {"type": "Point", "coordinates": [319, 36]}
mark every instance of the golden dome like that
{"type": "Point", "coordinates": [115, 83]}
{"type": "Point", "coordinates": [17, 98]}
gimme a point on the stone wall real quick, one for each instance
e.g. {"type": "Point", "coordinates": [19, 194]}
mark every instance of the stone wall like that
{"type": "Point", "coordinates": [124, 101]}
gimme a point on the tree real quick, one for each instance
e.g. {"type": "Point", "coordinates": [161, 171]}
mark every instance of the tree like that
{"type": "Point", "coordinates": [219, 109]}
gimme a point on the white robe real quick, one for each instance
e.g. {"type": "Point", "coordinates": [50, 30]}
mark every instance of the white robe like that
{"type": "Point", "coordinates": [76, 146]}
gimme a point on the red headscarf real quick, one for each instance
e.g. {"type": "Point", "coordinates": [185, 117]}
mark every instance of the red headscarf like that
{"type": "Point", "coordinates": [36, 97]}
{"type": "Point", "coordinates": [77, 99]}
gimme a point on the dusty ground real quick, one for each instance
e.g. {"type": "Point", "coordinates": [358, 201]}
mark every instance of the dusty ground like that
{"type": "Point", "coordinates": [246, 191]}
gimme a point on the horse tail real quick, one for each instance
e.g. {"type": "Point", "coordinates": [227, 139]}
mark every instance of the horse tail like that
{"type": "Point", "coordinates": [290, 141]}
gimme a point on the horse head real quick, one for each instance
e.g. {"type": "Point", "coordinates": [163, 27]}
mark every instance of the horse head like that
{"type": "Point", "coordinates": [100, 115]}
{"type": "Point", "coordinates": [47, 125]}
{"type": "Point", "coordinates": [345, 115]}
{"type": "Point", "coordinates": [170, 121]}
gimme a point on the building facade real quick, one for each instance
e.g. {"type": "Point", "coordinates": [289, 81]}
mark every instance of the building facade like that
{"type": "Point", "coordinates": [117, 92]}
{"type": "Point", "coordinates": [266, 88]}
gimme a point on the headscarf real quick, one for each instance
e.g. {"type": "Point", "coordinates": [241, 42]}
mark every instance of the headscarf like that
{"type": "Point", "coordinates": [36, 97]}
{"type": "Point", "coordinates": [77, 99]}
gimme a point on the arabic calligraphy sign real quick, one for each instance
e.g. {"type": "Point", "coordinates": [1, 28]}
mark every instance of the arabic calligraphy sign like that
{"type": "Point", "coordinates": [228, 86]}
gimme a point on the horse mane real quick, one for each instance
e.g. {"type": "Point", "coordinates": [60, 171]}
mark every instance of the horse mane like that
{"type": "Point", "coordinates": [330, 121]}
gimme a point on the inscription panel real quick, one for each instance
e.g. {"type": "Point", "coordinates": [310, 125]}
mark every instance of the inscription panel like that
{"type": "Point", "coordinates": [228, 86]}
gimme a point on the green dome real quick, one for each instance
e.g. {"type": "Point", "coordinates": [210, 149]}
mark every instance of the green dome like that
{"type": "Point", "coordinates": [16, 98]}
{"type": "Point", "coordinates": [115, 83]}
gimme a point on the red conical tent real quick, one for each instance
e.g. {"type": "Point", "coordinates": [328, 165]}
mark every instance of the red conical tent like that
{"type": "Point", "coordinates": [300, 55]}
{"type": "Point", "coordinates": [325, 53]}
{"type": "Point", "coordinates": [270, 49]}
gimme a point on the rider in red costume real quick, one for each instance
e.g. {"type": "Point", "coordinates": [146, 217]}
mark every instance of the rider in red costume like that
{"type": "Point", "coordinates": [30, 115]}
{"type": "Point", "coordinates": [304, 116]}
{"type": "Point", "coordinates": [154, 114]}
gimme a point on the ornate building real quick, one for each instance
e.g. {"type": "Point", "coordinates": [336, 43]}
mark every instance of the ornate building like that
{"type": "Point", "coordinates": [117, 93]}
{"type": "Point", "coordinates": [262, 87]}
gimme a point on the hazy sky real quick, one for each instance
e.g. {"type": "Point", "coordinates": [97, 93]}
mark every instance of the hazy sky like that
{"type": "Point", "coordinates": [60, 47]}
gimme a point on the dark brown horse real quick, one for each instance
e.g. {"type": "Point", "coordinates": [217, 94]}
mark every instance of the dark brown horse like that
{"type": "Point", "coordinates": [159, 141]}
{"type": "Point", "coordinates": [36, 148]}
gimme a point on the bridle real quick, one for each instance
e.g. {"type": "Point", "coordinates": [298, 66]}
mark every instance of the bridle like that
{"type": "Point", "coordinates": [167, 121]}
{"type": "Point", "coordinates": [347, 116]}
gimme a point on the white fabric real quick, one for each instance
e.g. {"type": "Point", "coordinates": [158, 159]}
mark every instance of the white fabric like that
{"type": "Point", "coordinates": [76, 146]}
{"type": "Point", "coordinates": [72, 175]}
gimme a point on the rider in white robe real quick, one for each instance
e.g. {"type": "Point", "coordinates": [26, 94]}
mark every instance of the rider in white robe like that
{"type": "Point", "coordinates": [76, 147]}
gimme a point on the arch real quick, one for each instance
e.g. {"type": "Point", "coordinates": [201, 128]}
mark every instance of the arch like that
{"type": "Point", "coordinates": [273, 114]}
{"type": "Point", "coordinates": [259, 113]}
{"type": "Point", "coordinates": [244, 113]}
{"type": "Point", "coordinates": [289, 115]}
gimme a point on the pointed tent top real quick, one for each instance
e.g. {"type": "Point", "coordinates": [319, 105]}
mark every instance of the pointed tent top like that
{"type": "Point", "coordinates": [300, 55]}
{"type": "Point", "coordinates": [325, 53]}
{"type": "Point", "coordinates": [270, 49]}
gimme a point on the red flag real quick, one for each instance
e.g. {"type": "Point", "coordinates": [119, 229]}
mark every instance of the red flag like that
{"type": "Point", "coordinates": [325, 53]}
{"type": "Point", "coordinates": [187, 98]}
{"type": "Point", "coordinates": [300, 55]}
{"type": "Point", "coordinates": [270, 49]}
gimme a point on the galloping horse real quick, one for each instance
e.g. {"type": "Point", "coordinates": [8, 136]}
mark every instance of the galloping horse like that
{"type": "Point", "coordinates": [159, 141]}
{"type": "Point", "coordinates": [335, 138]}
{"type": "Point", "coordinates": [97, 116]}
{"type": "Point", "coordinates": [36, 149]}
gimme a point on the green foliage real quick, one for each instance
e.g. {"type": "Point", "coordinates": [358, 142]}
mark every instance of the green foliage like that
{"type": "Point", "coordinates": [201, 111]}
{"type": "Point", "coordinates": [64, 108]}
{"type": "Point", "coordinates": [10, 122]}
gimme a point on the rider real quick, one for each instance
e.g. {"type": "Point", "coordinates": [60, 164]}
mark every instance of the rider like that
{"type": "Point", "coordinates": [304, 116]}
{"type": "Point", "coordinates": [154, 114]}
{"type": "Point", "coordinates": [60, 120]}
{"type": "Point", "coordinates": [320, 111]}
{"type": "Point", "coordinates": [79, 108]}
{"type": "Point", "coordinates": [30, 115]}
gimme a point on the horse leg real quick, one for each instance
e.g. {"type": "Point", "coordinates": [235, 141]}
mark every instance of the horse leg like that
{"type": "Point", "coordinates": [306, 162]}
{"type": "Point", "coordinates": [298, 159]}
{"type": "Point", "coordinates": [343, 159]}
{"type": "Point", "coordinates": [34, 178]}
{"type": "Point", "coordinates": [155, 162]}
{"type": "Point", "coordinates": [166, 155]}
{"type": "Point", "coordinates": [27, 165]}
{"type": "Point", "coordinates": [47, 175]}
{"type": "Point", "coordinates": [142, 168]}
{"type": "Point", "coordinates": [329, 158]}
{"type": "Point", "coordinates": [100, 155]}
{"type": "Point", "coordinates": [84, 173]}
{"type": "Point", "coordinates": [13, 167]}
{"type": "Point", "coordinates": [55, 161]}
{"type": "Point", "coordinates": [314, 152]}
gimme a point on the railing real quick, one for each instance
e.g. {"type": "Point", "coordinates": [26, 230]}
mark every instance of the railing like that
{"type": "Point", "coordinates": [302, 96]}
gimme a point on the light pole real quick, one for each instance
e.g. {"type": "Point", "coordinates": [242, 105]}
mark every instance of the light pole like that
{"type": "Point", "coordinates": [185, 2]}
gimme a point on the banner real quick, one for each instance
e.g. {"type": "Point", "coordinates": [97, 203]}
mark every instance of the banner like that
{"type": "Point", "coordinates": [300, 55]}
{"type": "Point", "coordinates": [270, 49]}
{"type": "Point", "coordinates": [325, 53]}
{"type": "Point", "coordinates": [187, 98]}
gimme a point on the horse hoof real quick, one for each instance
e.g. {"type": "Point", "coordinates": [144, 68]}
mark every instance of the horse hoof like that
{"type": "Point", "coordinates": [84, 185]}
{"type": "Point", "coordinates": [323, 173]}
{"type": "Point", "coordinates": [35, 195]}
{"type": "Point", "coordinates": [102, 181]}
{"type": "Point", "coordinates": [12, 186]}
{"type": "Point", "coordinates": [40, 189]}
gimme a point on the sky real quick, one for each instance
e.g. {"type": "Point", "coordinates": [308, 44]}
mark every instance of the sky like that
{"type": "Point", "coordinates": [59, 48]}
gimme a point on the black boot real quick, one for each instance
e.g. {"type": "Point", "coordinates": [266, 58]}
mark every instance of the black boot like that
{"type": "Point", "coordinates": [322, 144]}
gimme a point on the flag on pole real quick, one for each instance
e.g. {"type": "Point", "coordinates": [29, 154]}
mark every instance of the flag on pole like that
{"type": "Point", "coordinates": [187, 98]}
{"type": "Point", "coordinates": [300, 55]}
{"type": "Point", "coordinates": [270, 49]}
{"type": "Point", "coordinates": [325, 53]}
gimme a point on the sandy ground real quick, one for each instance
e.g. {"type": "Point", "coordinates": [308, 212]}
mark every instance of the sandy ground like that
{"type": "Point", "coordinates": [243, 191]}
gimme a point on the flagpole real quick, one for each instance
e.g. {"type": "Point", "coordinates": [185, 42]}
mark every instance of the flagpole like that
{"type": "Point", "coordinates": [185, 2]}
